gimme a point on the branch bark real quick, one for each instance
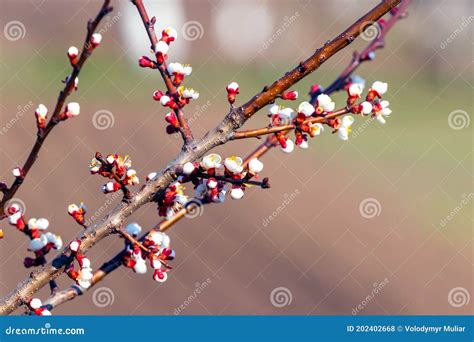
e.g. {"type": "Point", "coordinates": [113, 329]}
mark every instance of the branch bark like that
{"type": "Point", "coordinates": [221, 134]}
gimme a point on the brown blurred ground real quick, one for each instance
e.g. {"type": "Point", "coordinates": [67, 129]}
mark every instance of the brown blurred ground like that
{"type": "Point", "coordinates": [319, 247]}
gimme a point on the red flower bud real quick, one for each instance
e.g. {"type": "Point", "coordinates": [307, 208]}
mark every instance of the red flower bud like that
{"type": "Point", "coordinates": [72, 54]}
{"type": "Point", "coordinates": [232, 91]}
{"type": "Point", "coordinates": [157, 95]}
{"type": "Point", "coordinates": [75, 245]}
{"type": "Point", "coordinates": [146, 62]}
{"type": "Point", "coordinates": [96, 39]}
{"type": "Point", "coordinates": [290, 95]}
{"type": "Point", "coordinates": [172, 120]}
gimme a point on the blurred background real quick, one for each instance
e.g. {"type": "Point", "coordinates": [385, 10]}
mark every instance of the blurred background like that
{"type": "Point", "coordinates": [380, 224]}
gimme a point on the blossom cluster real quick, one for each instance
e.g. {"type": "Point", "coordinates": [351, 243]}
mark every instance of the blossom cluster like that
{"type": "Point", "coordinates": [212, 178]}
{"type": "Point", "coordinates": [83, 276]}
{"type": "Point", "coordinates": [41, 242]}
{"type": "Point", "coordinates": [175, 72]}
{"type": "Point", "coordinates": [155, 251]}
{"type": "Point", "coordinates": [306, 113]}
{"type": "Point", "coordinates": [114, 167]}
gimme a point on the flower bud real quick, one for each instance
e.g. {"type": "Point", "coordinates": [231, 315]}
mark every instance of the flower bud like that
{"type": "Point", "coordinates": [38, 244]}
{"type": "Point", "coordinates": [290, 95]}
{"type": "Point", "coordinates": [72, 109]}
{"type": "Point", "coordinates": [188, 168]}
{"type": "Point", "coordinates": [366, 108]}
{"type": "Point", "coordinates": [110, 187]}
{"type": "Point", "coordinates": [18, 173]}
{"type": "Point", "coordinates": [211, 183]}
{"type": "Point", "coordinates": [236, 193]}
{"type": "Point", "coordinates": [157, 95]}
{"type": "Point", "coordinates": [255, 166]}
{"type": "Point", "coordinates": [167, 101]}
{"type": "Point", "coordinates": [146, 62]}
{"type": "Point", "coordinates": [232, 91]}
{"type": "Point", "coordinates": [189, 93]}
{"type": "Point", "coordinates": [355, 89]}
{"type": "Point", "coordinates": [160, 276]}
{"type": "Point", "coordinates": [35, 303]}
{"type": "Point", "coordinates": [72, 54]}
{"type": "Point", "coordinates": [41, 114]}
{"type": "Point", "coordinates": [96, 39]}
{"type": "Point", "coordinates": [325, 104]}
{"type": "Point", "coordinates": [151, 176]}
{"type": "Point", "coordinates": [289, 146]}
{"type": "Point", "coordinates": [77, 212]}
{"type": "Point", "coordinates": [315, 129]}
{"type": "Point", "coordinates": [161, 50]}
{"type": "Point", "coordinates": [306, 108]}
{"type": "Point", "coordinates": [172, 119]}
{"type": "Point", "coordinates": [42, 223]}
{"type": "Point", "coordinates": [379, 88]}
{"type": "Point", "coordinates": [168, 35]}
{"type": "Point", "coordinates": [75, 245]}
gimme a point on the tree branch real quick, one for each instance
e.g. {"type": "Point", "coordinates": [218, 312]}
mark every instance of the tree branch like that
{"type": "Point", "coordinates": [54, 119]}
{"type": "Point", "coordinates": [217, 136]}
{"type": "Point", "coordinates": [114, 263]}
{"type": "Point", "coordinates": [368, 53]}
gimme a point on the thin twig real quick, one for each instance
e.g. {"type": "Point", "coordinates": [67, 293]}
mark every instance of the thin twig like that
{"type": "Point", "coordinates": [275, 129]}
{"type": "Point", "coordinates": [132, 240]}
{"type": "Point", "coordinates": [184, 128]}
